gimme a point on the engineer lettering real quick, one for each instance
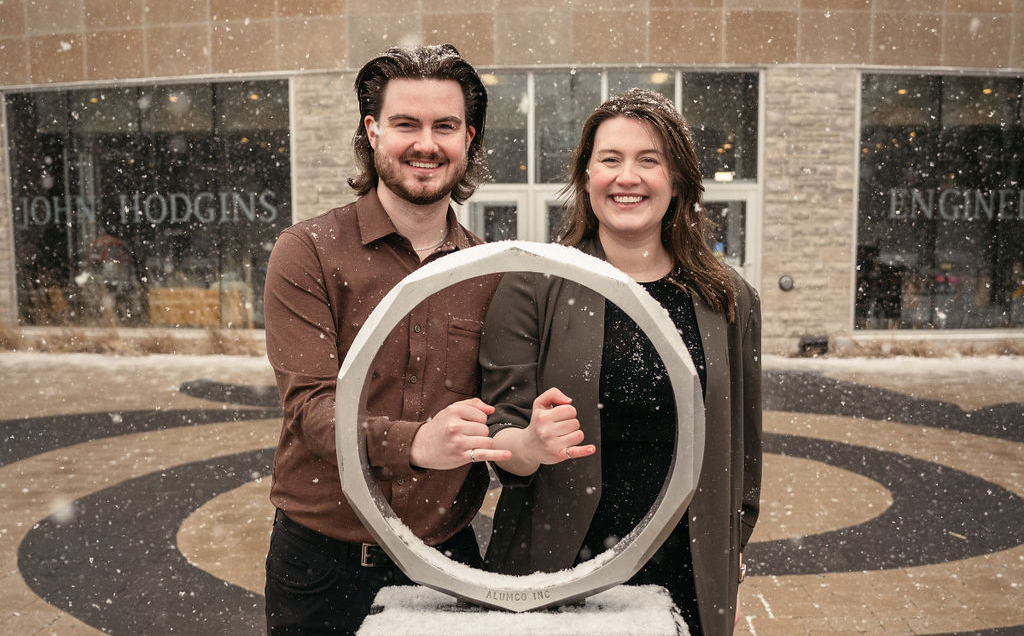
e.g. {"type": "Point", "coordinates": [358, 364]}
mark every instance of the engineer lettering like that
{"type": "Point", "coordinates": [952, 204]}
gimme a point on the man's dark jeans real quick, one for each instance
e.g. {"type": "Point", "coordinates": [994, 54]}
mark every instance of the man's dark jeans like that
{"type": "Point", "coordinates": [312, 591]}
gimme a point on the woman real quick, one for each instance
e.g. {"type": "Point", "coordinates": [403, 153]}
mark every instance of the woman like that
{"type": "Point", "coordinates": [584, 403]}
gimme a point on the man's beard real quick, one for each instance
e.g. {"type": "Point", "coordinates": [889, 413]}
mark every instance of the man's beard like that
{"type": "Point", "coordinates": [389, 174]}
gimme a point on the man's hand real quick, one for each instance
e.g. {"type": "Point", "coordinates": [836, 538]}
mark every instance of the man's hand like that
{"type": "Point", "coordinates": [554, 432]}
{"type": "Point", "coordinates": [457, 435]}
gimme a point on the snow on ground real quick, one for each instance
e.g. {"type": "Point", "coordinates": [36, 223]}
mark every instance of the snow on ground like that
{"type": "Point", "coordinates": [42, 384]}
{"type": "Point", "coordinates": [33, 384]}
{"type": "Point", "coordinates": [99, 361]}
{"type": "Point", "coordinates": [16, 359]}
{"type": "Point", "coordinates": [970, 382]}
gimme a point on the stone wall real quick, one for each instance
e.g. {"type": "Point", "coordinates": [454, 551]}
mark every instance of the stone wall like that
{"type": "Point", "coordinates": [56, 41]}
{"type": "Point", "coordinates": [324, 117]}
{"type": "Point", "coordinates": [8, 305]}
{"type": "Point", "coordinates": [810, 140]}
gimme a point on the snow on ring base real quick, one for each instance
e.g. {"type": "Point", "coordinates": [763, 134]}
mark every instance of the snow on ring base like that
{"type": "Point", "coordinates": [428, 566]}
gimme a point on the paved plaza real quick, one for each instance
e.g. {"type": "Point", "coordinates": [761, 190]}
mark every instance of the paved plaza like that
{"type": "Point", "coordinates": [133, 493]}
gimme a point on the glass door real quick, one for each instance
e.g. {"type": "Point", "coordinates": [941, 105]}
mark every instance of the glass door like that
{"type": "Point", "coordinates": [494, 215]}
{"type": "Point", "coordinates": [548, 211]}
{"type": "Point", "coordinates": [735, 213]}
{"type": "Point", "coordinates": [536, 213]}
{"type": "Point", "coordinates": [525, 213]}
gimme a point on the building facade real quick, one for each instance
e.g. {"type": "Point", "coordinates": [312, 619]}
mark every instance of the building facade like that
{"type": "Point", "coordinates": [862, 158]}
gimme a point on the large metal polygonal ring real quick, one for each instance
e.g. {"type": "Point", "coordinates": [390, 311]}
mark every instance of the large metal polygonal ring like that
{"type": "Point", "coordinates": [428, 566]}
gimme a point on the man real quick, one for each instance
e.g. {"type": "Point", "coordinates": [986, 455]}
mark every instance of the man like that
{"type": "Point", "coordinates": [419, 144]}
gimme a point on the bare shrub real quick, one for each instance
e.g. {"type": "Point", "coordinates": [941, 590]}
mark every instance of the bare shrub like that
{"type": "Point", "coordinates": [229, 342]}
{"type": "Point", "coordinates": [927, 348]}
{"type": "Point", "coordinates": [8, 338]}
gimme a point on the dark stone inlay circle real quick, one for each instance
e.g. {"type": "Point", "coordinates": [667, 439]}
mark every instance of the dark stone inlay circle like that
{"type": "Point", "coordinates": [115, 564]}
{"type": "Point", "coordinates": [249, 395]}
{"type": "Point", "coordinates": [25, 437]}
{"type": "Point", "coordinates": [129, 530]}
{"type": "Point", "coordinates": [938, 514]}
{"type": "Point", "coordinates": [812, 392]}
{"type": "Point", "coordinates": [116, 556]}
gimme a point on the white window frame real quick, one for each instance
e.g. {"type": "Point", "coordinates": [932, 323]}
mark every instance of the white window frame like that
{"type": "Point", "coordinates": [532, 198]}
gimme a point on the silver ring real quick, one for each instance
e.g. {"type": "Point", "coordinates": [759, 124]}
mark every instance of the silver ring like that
{"type": "Point", "coordinates": [567, 456]}
{"type": "Point", "coordinates": [472, 455]}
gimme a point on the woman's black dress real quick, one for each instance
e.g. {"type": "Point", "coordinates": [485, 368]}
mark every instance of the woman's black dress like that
{"type": "Point", "coordinates": [638, 419]}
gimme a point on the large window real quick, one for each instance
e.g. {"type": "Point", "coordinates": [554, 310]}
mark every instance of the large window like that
{"type": "Point", "coordinates": [564, 100]}
{"type": "Point", "coordinates": [721, 109]}
{"type": "Point", "coordinates": [534, 121]}
{"type": "Point", "coordinates": [508, 108]}
{"type": "Point", "coordinates": [940, 238]}
{"type": "Point", "coordinates": [148, 205]}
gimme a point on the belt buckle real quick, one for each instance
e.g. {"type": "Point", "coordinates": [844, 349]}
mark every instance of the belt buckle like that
{"type": "Point", "coordinates": [373, 556]}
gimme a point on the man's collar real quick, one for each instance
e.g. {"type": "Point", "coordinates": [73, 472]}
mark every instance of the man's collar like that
{"type": "Point", "coordinates": [374, 222]}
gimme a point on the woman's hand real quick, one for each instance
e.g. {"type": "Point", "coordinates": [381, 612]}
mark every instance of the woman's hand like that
{"type": "Point", "coordinates": [552, 436]}
{"type": "Point", "coordinates": [554, 432]}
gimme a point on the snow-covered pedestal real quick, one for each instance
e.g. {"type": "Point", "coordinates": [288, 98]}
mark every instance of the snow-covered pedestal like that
{"type": "Point", "coordinates": [624, 610]}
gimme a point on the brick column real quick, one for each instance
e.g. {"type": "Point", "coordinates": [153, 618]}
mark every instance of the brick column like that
{"type": "Point", "coordinates": [810, 140]}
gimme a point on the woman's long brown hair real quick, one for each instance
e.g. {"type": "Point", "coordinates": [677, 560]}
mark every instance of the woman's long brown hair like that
{"type": "Point", "coordinates": [684, 228]}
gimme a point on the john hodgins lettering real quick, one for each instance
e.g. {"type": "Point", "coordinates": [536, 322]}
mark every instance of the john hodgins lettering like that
{"type": "Point", "coordinates": [156, 208]}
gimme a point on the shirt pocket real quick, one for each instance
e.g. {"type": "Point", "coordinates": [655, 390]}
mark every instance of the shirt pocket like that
{"type": "Point", "coordinates": [462, 367]}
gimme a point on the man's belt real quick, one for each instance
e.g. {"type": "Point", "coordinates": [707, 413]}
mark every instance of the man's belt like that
{"type": "Point", "coordinates": [367, 555]}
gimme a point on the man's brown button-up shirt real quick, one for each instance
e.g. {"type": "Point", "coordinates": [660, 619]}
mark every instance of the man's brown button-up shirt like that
{"type": "Point", "coordinates": [324, 278]}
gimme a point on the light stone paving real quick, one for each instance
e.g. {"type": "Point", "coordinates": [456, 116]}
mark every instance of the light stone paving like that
{"type": "Point", "coordinates": [39, 486]}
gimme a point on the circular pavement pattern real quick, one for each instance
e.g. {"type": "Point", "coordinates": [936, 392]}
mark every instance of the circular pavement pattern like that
{"type": "Point", "coordinates": [110, 557]}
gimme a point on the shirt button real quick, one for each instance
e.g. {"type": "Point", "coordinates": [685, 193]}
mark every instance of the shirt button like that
{"type": "Point", "coordinates": [412, 379]}
{"type": "Point", "coordinates": [417, 328]}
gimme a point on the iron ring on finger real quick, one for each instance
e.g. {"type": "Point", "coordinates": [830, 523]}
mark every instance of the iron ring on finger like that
{"type": "Point", "coordinates": [567, 455]}
{"type": "Point", "coordinates": [472, 455]}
